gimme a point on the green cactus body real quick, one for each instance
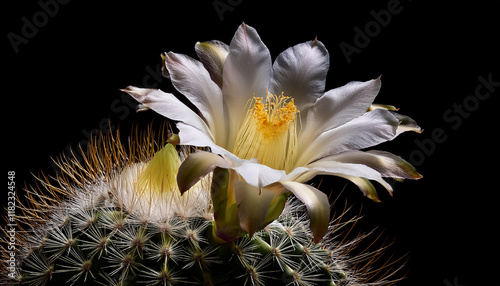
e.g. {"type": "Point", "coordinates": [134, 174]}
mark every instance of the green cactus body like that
{"type": "Point", "coordinates": [106, 245]}
{"type": "Point", "coordinates": [105, 223]}
{"type": "Point", "coordinates": [115, 247]}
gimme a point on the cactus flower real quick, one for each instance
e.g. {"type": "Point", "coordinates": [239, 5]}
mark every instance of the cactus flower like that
{"type": "Point", "coordinates": [272, 127]}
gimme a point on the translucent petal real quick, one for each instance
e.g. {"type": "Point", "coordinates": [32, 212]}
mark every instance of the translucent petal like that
{"type": "Point", "coordinates": [300, 72]}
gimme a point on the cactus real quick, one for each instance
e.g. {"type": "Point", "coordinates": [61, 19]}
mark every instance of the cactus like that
{"type": "Point", "coordinates": [106, 245]}
{"type": "Point", "coordinates": [117, 218]}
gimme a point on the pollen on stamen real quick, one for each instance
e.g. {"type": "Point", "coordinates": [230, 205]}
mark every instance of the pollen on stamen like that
{"type": "Point", "coordinates": [269, 131]}
{"type": "Point", "coordinates": [275, 116]}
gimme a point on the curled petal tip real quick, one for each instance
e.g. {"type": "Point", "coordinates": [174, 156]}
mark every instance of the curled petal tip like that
{"type": "Point", "coordinates": [243, 26]}
{"type": "Point", "coordinates": [374, 196]}
{"type": "Point", "coordinates": [141, 107]}
{"type": "Point", "coordinates": [164, 70]}
{"type": "Point", "coordinates": [136, 92]}
{"type": "Point", "coordinates": [126, 89]}
{"type": "Point", "coordinates": [174, 139]}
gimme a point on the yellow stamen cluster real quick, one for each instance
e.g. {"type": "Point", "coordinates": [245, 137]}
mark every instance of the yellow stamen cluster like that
{"type": "Point", "coordinates": [269, 132]}
{"type": "Point", "coordinates": [275, 116]}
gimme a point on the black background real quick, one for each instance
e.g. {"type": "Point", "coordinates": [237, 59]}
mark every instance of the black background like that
{"type": "Point", "coordinates": [63, 84]}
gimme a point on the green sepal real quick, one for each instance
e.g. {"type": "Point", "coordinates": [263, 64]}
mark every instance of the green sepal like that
{"type": "Point", "coordinates": [276, 208]}
{"type": "Point", "coordinates": [227, 225]}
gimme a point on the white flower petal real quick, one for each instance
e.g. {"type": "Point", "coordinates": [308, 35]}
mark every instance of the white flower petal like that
{"type": "Point", "coordinates": [254, 173]}
{"type": "Point", "coordinates": [327, 166]}
{"type": "Point", "coordinates": [191, 79]}
{"type": "Point", "coordinates": [356, 173]}
{"type": "Point", "coordinates": [247, 71]}
{"type": "Point", "coordinates": [387, 164]}
{"type": "Point", "coordinates": [368, 130]}
{"type": "Point", "coordinates": [339, 106]}
{"type": "Point", "coordinates": [317, 205]}
{"type": "Point", "coordinates": [213, 55]}
{"type": "Point", "coordinates": [189, 135]}
{"type": "Point", "coordinates": [300, 72]}
{"type": "Point", "coordinates": [299, 174]}
{"type": "Point", "coordinates": [168, 105]}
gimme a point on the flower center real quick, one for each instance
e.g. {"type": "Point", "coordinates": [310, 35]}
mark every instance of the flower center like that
{"type": "Point", "coordinates": [269, 132]}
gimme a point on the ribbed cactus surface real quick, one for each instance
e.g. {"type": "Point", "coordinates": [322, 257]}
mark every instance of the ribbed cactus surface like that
{"type": "Point", "coordinates": [107, 245]}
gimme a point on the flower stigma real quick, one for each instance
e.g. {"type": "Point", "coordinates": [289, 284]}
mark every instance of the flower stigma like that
{"type": "Point", "coordinates": [269, 131]}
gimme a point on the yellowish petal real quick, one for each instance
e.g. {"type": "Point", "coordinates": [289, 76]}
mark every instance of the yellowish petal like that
{"type": "Point", "coordinates": [365, 186]}
{"type": "Point", "coordinates": [253, 205]}
{"type": "Point", "coordinates": [196, 166]}
{"type": "Point", "coordinates": [382, 106]}
{"type": "Point", "coordinates": [213, 54]}
{"type": "Point", "coordinates": [317, 205]}
{"type": "Point", "coordinates": [159, 175]}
